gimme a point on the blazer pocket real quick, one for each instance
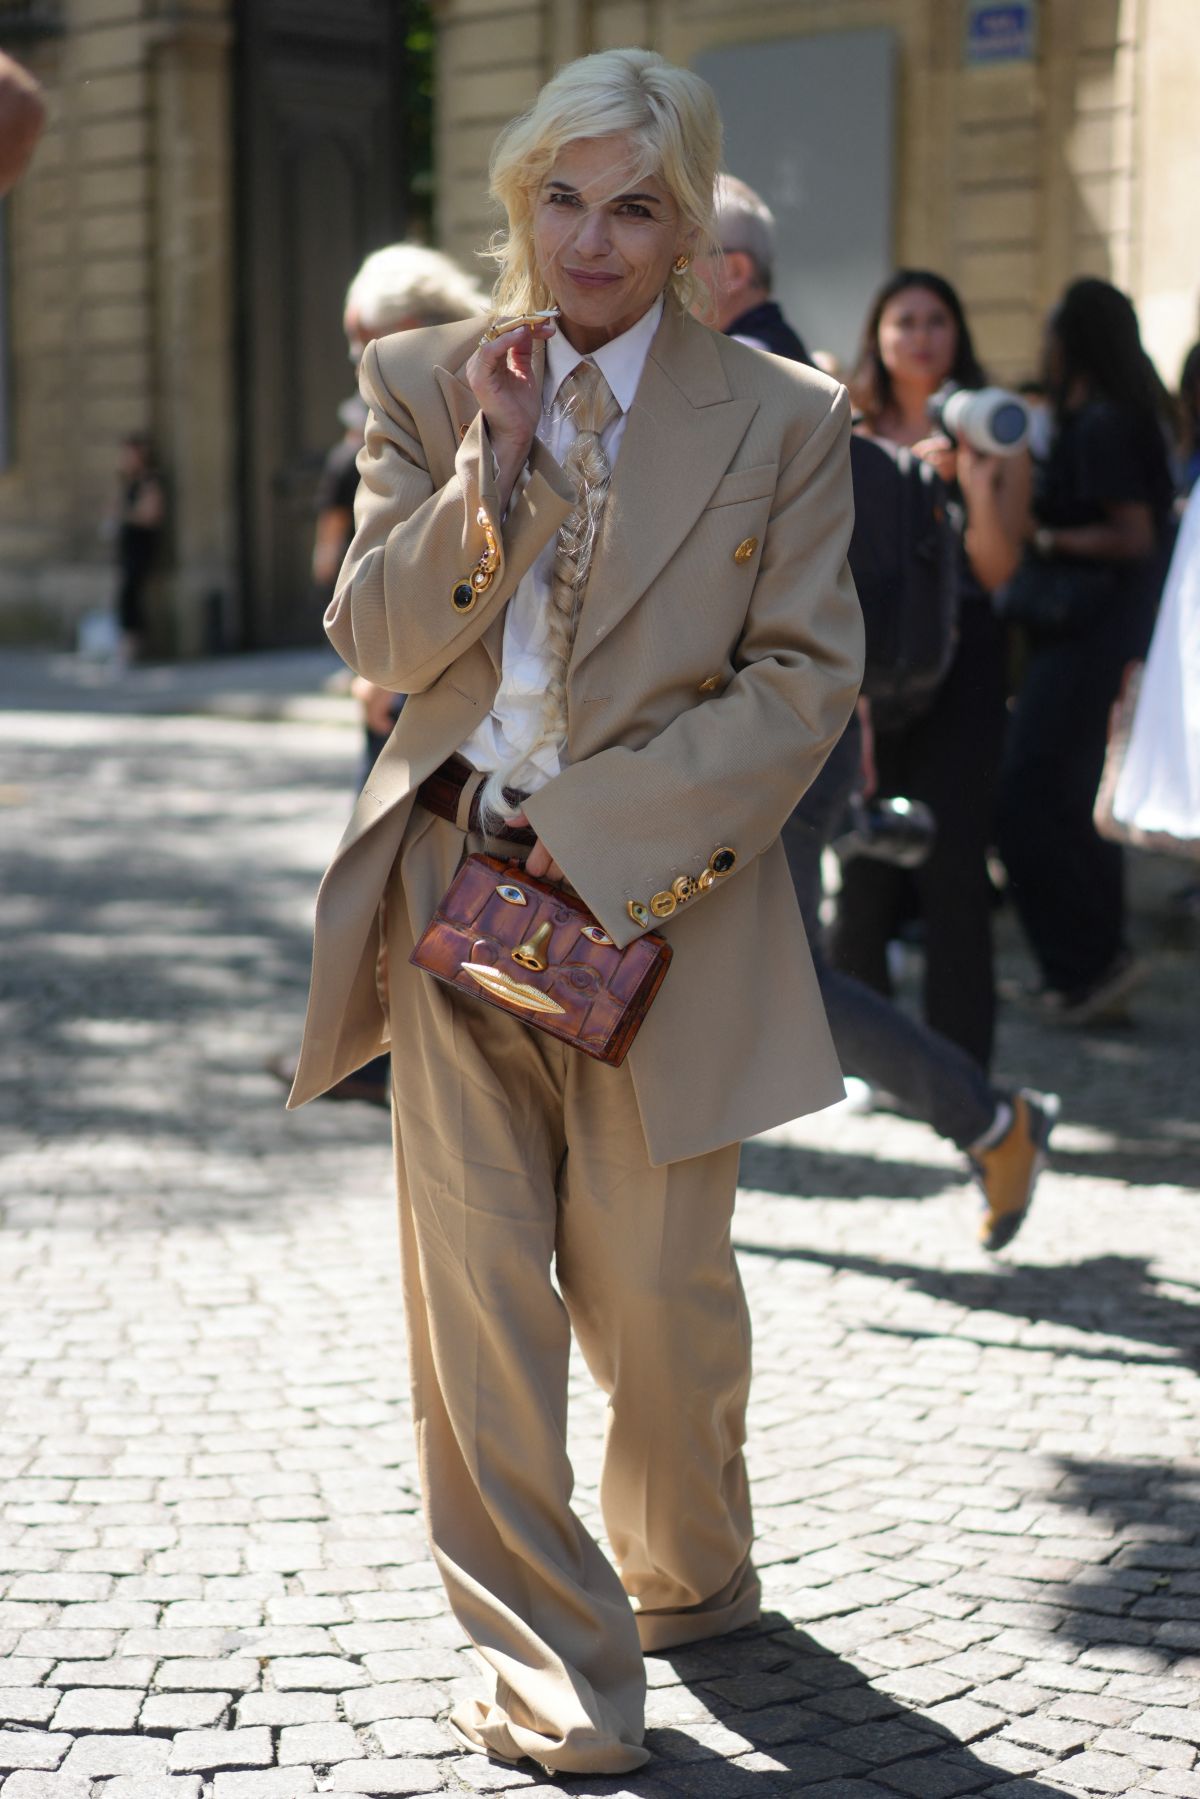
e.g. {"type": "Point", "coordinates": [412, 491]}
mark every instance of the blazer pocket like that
{"type": "Point", "coordinates": [755, 483]}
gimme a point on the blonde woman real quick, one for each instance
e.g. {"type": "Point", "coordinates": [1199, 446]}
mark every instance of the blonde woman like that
{"type": "Point", "coordinates": [605, 556]}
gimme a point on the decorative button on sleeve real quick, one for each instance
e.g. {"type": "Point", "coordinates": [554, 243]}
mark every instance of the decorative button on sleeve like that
{"type": "Point", "coordinates": [464, 593]}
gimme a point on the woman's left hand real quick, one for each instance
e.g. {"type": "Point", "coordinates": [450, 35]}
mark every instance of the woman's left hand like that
{"type": "Point", "coordinates": [539, 863]}
{"type": "Point", "coordinates": [977, 474]}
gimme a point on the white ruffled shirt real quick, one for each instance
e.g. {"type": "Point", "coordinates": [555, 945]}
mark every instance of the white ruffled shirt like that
{"type": "Point", "coordinates": [512, 722]}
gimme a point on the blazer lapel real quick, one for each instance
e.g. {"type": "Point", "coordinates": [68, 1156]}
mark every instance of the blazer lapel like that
{"type": "Point", "coordinates": [461, 403]}
{"type": "Point", "coordinates": [521, 537]}
{"type": "Point", "coordinates": [683, 431]}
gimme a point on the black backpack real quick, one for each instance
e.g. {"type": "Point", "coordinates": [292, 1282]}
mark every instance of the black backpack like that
{"type": "Point", "coordinates": [904, 556]}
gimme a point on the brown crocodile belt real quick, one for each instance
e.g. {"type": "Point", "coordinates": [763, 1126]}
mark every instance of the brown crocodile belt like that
{"type": "Point", "coordinates": [441, 792]}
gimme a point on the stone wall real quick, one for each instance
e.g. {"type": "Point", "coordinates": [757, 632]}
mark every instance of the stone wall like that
{"type": "Point", "coordinates": [120, 249]}
{"type": "Point", "coordinates": [1011, 179]}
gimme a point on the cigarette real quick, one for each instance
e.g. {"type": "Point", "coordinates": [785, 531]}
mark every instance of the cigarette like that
{"type": "Point", "coordinates": [529, 319]}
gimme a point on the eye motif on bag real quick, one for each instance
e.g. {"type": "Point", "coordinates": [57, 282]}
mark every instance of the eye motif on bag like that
{"type": "Point", "coordinates": [596, 935]}
{"type": "Point", "coordinates": [512, 894]}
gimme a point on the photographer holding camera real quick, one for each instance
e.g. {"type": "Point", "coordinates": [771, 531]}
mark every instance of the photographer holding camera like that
{"type": "Point", "coordinates": [915, 343]}
{"type": "Point", "coordinates": [1003, 1132]}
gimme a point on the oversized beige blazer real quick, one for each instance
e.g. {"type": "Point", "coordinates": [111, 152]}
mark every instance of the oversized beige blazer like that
{"type": "Point", "coordinates": [717, 659]}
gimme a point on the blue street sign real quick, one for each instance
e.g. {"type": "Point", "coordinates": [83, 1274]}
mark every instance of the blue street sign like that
{"type": "Point", "coordinates": [998, 33]}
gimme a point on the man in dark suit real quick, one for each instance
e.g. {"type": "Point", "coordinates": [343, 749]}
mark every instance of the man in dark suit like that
{"type": "Point", "coordinates": [740, 281]}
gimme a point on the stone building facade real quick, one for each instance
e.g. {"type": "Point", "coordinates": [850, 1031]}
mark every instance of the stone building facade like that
{"type": "Point", "coordinates": [119, 271]}
{"type": "Point", "coordinates": [213, 170]}
{"type": "Point", "coordinates": [1010, 176]}
{"type": "Point", "coordinates": [211, 174]}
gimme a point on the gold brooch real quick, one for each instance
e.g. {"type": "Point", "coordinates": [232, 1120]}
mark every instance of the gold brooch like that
{"type": "Point", "coordinates": [464, 593]}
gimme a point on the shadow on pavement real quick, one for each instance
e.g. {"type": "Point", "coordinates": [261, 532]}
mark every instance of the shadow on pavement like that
{"type": "Point", "coordinates": [812, 1721]}
{"type": "Point", "coordinates": [1148, 1595]}
{"type": "Point", "coordinates": [1113, 1296]}
{"type": "Point", "coordinates": [822, 1173]}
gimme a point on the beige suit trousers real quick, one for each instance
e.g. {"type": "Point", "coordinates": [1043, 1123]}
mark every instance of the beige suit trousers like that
{"type": "Point", "coordinates": [518, 1157]}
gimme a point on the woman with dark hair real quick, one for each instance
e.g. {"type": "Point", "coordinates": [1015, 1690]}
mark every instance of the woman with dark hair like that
{"type": "Point", "coordinates": [1189, 420]}
{"type": "Point", "coordinates": [1086, 595]}
{"type": "Point", "coordinates": [916, 320]}
{"type": "Point", "coordinates": [916, 340]}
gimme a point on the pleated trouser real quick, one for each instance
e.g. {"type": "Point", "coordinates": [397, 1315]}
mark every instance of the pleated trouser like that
{"type": "Point", "coordinates": [517, 1158]}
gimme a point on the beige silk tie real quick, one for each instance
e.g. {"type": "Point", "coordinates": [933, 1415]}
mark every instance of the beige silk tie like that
{"type": "Point", "coordinates": [587, 400]}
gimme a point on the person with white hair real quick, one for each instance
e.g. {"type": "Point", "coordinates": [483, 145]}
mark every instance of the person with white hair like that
{"type": "Point", "coordinates": [402, 287]}
{"type": "Point", "coordinates": [399, 288]}
{"type": "Point", "coordinates": [739, 280]}
{"type": "Point", "coordinates": [602, 548]}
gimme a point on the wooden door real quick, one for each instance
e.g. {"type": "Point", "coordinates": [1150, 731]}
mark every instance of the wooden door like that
{"type": "Point", "coordinates": [320, 182]}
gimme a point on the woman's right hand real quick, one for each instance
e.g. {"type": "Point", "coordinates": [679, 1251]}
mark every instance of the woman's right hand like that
{"type": "Point", "coordinates": [502, 378]}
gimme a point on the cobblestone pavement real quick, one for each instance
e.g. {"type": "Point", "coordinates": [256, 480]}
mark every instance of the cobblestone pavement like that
{"type": "Point", "coordinates": [977, 1482]}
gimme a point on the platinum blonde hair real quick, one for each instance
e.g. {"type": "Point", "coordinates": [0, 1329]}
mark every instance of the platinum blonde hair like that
{"type": "Point", "coordinates": [745, 222]}
{"type": "Point", "coordinates": [407, 281]}
{"type": "Point", "coordinates": [670, 113]}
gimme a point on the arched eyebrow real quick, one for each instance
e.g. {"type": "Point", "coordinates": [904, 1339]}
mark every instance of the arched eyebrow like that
{"type": "Point", "coordinates": [564, 187]}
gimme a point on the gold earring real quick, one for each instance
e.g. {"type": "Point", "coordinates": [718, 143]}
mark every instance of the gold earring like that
{"type": "Point", "coordinates": [681, 263]}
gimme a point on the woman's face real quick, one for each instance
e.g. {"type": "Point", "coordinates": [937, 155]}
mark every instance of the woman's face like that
{"type": "Point", "coordinates": [605, 238]}
{"type": "Point", "coordinates": [918, 339]}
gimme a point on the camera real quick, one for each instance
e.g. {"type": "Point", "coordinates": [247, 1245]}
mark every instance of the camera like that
{"type": "Point", "coordinates": [899, 831]}
{"type": "Point", "coordinates": [990, 419]}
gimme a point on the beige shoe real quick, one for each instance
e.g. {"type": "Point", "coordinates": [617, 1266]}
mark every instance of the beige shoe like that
{"type": "Point", "coordinates": [1007, 1172]}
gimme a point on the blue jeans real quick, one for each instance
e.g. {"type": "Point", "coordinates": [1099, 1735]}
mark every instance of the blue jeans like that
{"type": "Point", "coordinates": [876, 1041]}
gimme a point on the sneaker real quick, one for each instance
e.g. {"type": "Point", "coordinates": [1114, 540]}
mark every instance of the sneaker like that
{"type": "Point", "coordinates": [1007, 1172]}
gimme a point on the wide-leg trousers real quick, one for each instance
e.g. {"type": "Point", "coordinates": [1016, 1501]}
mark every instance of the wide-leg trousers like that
{"type": "Point", "coordinates": [528, 1209]}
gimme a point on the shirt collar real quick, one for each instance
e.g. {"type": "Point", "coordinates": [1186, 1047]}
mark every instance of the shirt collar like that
{"type": "Point", "coordinates": [620, 361]}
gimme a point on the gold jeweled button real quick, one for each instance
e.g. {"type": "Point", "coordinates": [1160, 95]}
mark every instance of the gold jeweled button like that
{"type": "Point", "coordinates": [684, 887]}
{"type": "Point", "coordinates": [745, 549]}
{"type": "Point", "coordinates": [722, 861]}
{"type": "Point", "coordinates": [709, 684]}
{"type": "Point", "coordinates": [663, 904]}
{"type": "Point", "coordinates": [638, 913]}
{"type": "Point", "coordinates": [463, 596]}
{"type": "Point", "coordinates": [707, 879]}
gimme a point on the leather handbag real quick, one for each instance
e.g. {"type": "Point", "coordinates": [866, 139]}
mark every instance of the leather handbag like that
{"type": "Point", "coordinates": [533, 949]}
